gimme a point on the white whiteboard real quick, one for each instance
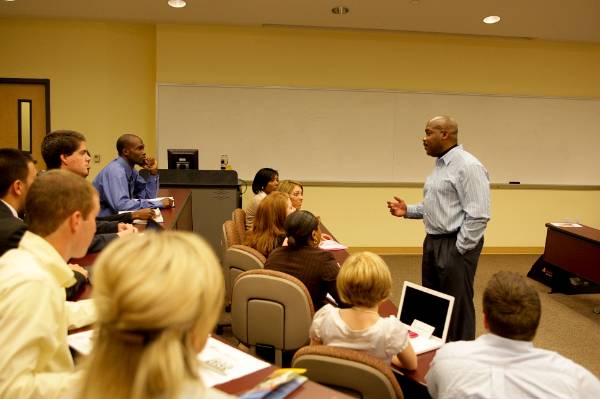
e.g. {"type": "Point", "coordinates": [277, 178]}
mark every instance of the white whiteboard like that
{"type": "Point", "coordinates": [375, 136]}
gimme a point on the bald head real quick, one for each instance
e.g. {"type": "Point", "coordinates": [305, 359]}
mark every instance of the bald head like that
{"type": "Point", "coordinates": [446, 123]}
{"type": "Point", "coordinates": [127, 140]}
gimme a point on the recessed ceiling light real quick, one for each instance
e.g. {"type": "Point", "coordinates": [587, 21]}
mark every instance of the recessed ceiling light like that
{"type": "Point", "coordinates": [492, 19]}
{"type": "Point", "coordinates": [176, 3]}
{"type": "Point", "coordinates": [340, 10]}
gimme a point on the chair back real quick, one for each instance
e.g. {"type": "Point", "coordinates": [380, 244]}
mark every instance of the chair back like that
{"type": "Point", "coordinates": [353, 372]}
{"type": "Point", "coordinates": [271, 308]}
{"type": "Point", "coordinates": [230, 236]}
{"type": "Point", "coordinates": [239, 220]}
{"type": "Point", "coordinates": [236, 260]}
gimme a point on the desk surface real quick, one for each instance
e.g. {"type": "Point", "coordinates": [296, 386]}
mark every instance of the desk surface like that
{"type": "Point", "coordinates": [170, 218]}
{"type": "Point", "coordinates": [585, 232]}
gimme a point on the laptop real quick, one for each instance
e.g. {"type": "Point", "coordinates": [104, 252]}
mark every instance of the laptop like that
{"type": "Point", "coordinates": [426, 313]}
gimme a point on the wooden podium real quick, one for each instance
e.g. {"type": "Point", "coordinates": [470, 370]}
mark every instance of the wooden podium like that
{"type": "Point", "coordinates": [570, 251]}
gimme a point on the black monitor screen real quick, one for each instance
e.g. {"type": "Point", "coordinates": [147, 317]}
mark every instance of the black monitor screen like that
{"type": "Point", "coordinates": [182, 159]}
{"type": "Point", "coordinates": [424, 307]}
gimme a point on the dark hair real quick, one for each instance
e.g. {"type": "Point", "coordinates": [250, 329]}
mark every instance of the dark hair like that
{"type": "Point", "coordinates": [299, 227]}
{"type": "Point", "coordinates": [53, 197]}
{"type": "Point", "coordinates": [57, 143]}
{"type": "Point", "coordinates": [512, 307]}
{"type": "Point", "coordinates": [262, 178]}
{"type": "Point", "coordinates": [14, 165]}
{"type": "Point", "coordinates": [125, 141]}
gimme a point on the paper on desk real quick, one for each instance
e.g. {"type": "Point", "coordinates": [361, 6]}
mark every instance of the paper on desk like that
{"type": "Point", "coordinates": [565, 224]}
{"type": "Point", "coordinates": [230, 362]}
{"type": "Point", "coordinates": [81, 341]}
{"type": "Point", "coordinates": [331, 245]}
{"type": "Point", "coordinates": [221, 362]}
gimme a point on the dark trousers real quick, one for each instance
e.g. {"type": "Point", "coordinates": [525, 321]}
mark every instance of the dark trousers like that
{"type": "Point", "coordinates": [444, 269]}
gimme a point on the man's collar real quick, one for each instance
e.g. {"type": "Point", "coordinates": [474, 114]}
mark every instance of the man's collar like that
{"type": "Point", "coordinates": [124, 162]}
{"type": "Point", "coordinates": [447, 151]}
{"type": "Point", "coordinates": [12, 210]}
{"type": "Point", "coordinates": [48, 258]}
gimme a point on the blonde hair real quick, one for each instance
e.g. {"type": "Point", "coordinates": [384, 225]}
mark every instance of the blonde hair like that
{"type": "Point", "coordinates": [267, 231]}
{"type": "Point", "coordinates": [364, 280]}
{"type": "Point", "coordinates": [287, 186]}
{"type": "Point", "coordinates": [157, 296]}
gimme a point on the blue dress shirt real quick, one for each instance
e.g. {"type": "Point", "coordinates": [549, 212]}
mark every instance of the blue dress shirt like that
{"type": "Point", "coordinates": [121, 188]}
{"type": "Point", "coordinates": [456, 198]}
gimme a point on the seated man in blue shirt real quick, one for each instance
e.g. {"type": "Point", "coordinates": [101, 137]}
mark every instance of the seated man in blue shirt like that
{"type": "Point", "coordinates": [121, 187]}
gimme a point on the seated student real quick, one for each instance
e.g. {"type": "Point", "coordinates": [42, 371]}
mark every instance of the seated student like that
{"type": "Point", "coordinates": [153, 318]}
{"type": "Point", "coordinates": [268, 232]}
{"type": "Point", "coordinates": [265, 182]}
{"type": "Point", "coordinates": [303, 259]}
{"type": "Point", "coordinates": [17, 173]}
{"type": "Point", "coordinates": [121, 187]}
{"type": "Point", "coordinates": [67, 150]}
{"type": "Point", "coordinates": [364, 281]}
{"type": "Point", "coordinates": [35, 361]}
{"type": "Point", "coordinates": [504, 362]}
{"type": "Point", "coordinates": [294, 190]}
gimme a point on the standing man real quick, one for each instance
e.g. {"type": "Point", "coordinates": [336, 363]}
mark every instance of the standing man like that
{"type": "Point", "coordinates": [35, 361]}
{"type": "Point", "coordinates": [504, 363]}
{"type": "Point", "coordinates": [121, 187]}
{"type": "Point", "coordinates": [17, 173]}
{"type": "Point", "coordinates": [455, 210]}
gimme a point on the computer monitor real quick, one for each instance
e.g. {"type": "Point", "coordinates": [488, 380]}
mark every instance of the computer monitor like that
{"type": "Point", "coordinates": [182, 159]}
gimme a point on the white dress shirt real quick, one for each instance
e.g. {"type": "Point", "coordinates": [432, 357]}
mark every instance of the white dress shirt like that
{"type": "Point", "coordinates": [456, 197]}
{"type": "Point", "coordinates": [35, 361]}
{"type": "Point", "coordinates": [497, 367]}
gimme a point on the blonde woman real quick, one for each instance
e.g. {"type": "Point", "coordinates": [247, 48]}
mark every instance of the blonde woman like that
{"type": "Point", "coordinates": [157, 296]}
{"type": "Point", "coordinates": [294, 190]}
{"type": "Point", "coordinates": [364, 281]}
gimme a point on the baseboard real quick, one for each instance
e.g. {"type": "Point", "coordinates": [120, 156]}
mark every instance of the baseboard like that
{"type": "Point", "coordinates": [419, 250]}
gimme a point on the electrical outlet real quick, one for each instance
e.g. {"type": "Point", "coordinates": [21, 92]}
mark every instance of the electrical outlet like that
{"type": "Point", "coordinates": [97, 158]}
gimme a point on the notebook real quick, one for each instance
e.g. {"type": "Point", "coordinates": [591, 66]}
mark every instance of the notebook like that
{"type": "Point", "coordinates": [426, 313]}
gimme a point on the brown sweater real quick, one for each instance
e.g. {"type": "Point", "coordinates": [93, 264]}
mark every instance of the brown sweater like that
{"type": "Point", "coordinates": [316, 268]}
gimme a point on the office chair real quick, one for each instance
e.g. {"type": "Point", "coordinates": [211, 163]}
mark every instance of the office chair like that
{"type": "Point", "coordinates": [352, 372]}
{"type": "Point", "coordinates": [236, 260]}
{"type": "Point", "coordinates": [239, 220]}
{"type": "Point", "coordinates": [230, 236]}
{"type": "Point", "coordinates": [272, 309]}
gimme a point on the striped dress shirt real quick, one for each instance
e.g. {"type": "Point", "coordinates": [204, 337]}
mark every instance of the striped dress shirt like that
{"type": "Point", "coordinates": [456, 199]}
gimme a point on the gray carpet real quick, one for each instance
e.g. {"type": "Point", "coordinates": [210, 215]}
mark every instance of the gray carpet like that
{"type": "Point", "coordinates": [568, 325]}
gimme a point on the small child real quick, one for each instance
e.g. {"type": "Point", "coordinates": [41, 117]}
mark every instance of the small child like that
{"type": "Point", "coordinates": [364, 281]}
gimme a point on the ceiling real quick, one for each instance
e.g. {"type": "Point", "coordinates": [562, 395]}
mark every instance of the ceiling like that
{"type": "Point", "coordinates": [564, 20]}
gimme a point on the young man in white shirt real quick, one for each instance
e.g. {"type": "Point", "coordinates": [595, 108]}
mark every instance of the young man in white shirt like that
{"type": "Point", "coordinates": [504, 363]}
{"type": "Point", "coordinates": [35, 361]}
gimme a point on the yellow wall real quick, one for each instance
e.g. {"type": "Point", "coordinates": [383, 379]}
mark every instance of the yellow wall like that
{"type": "Point", "coordinates": [102, 76]}
{"type": "Point", "coordinates": [103, 79]}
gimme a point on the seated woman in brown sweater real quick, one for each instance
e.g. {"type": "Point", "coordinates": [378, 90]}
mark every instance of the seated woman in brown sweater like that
{"type": "Point", "coordinates": [267, 231]}
{"type": "Point", "coordinates": [303, 259]}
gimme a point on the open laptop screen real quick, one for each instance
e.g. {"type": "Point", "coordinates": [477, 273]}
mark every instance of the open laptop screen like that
{"type": "Point", "coordinates": [418, 303]}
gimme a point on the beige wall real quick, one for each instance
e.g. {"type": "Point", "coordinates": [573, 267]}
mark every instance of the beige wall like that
{"type": "Point", "coordinates": [103, 79]}
{"type": "Point", "coordinates": [102, 75]}
{"type": "Point", "coordinates": [402, 61]}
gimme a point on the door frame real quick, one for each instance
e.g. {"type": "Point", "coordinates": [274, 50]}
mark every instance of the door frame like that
{"type": "Point", "coordinates": [44, 82]}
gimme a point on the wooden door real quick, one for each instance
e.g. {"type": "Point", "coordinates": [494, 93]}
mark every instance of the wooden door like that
{"type": "Point", "coordinates": [24, 115]}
